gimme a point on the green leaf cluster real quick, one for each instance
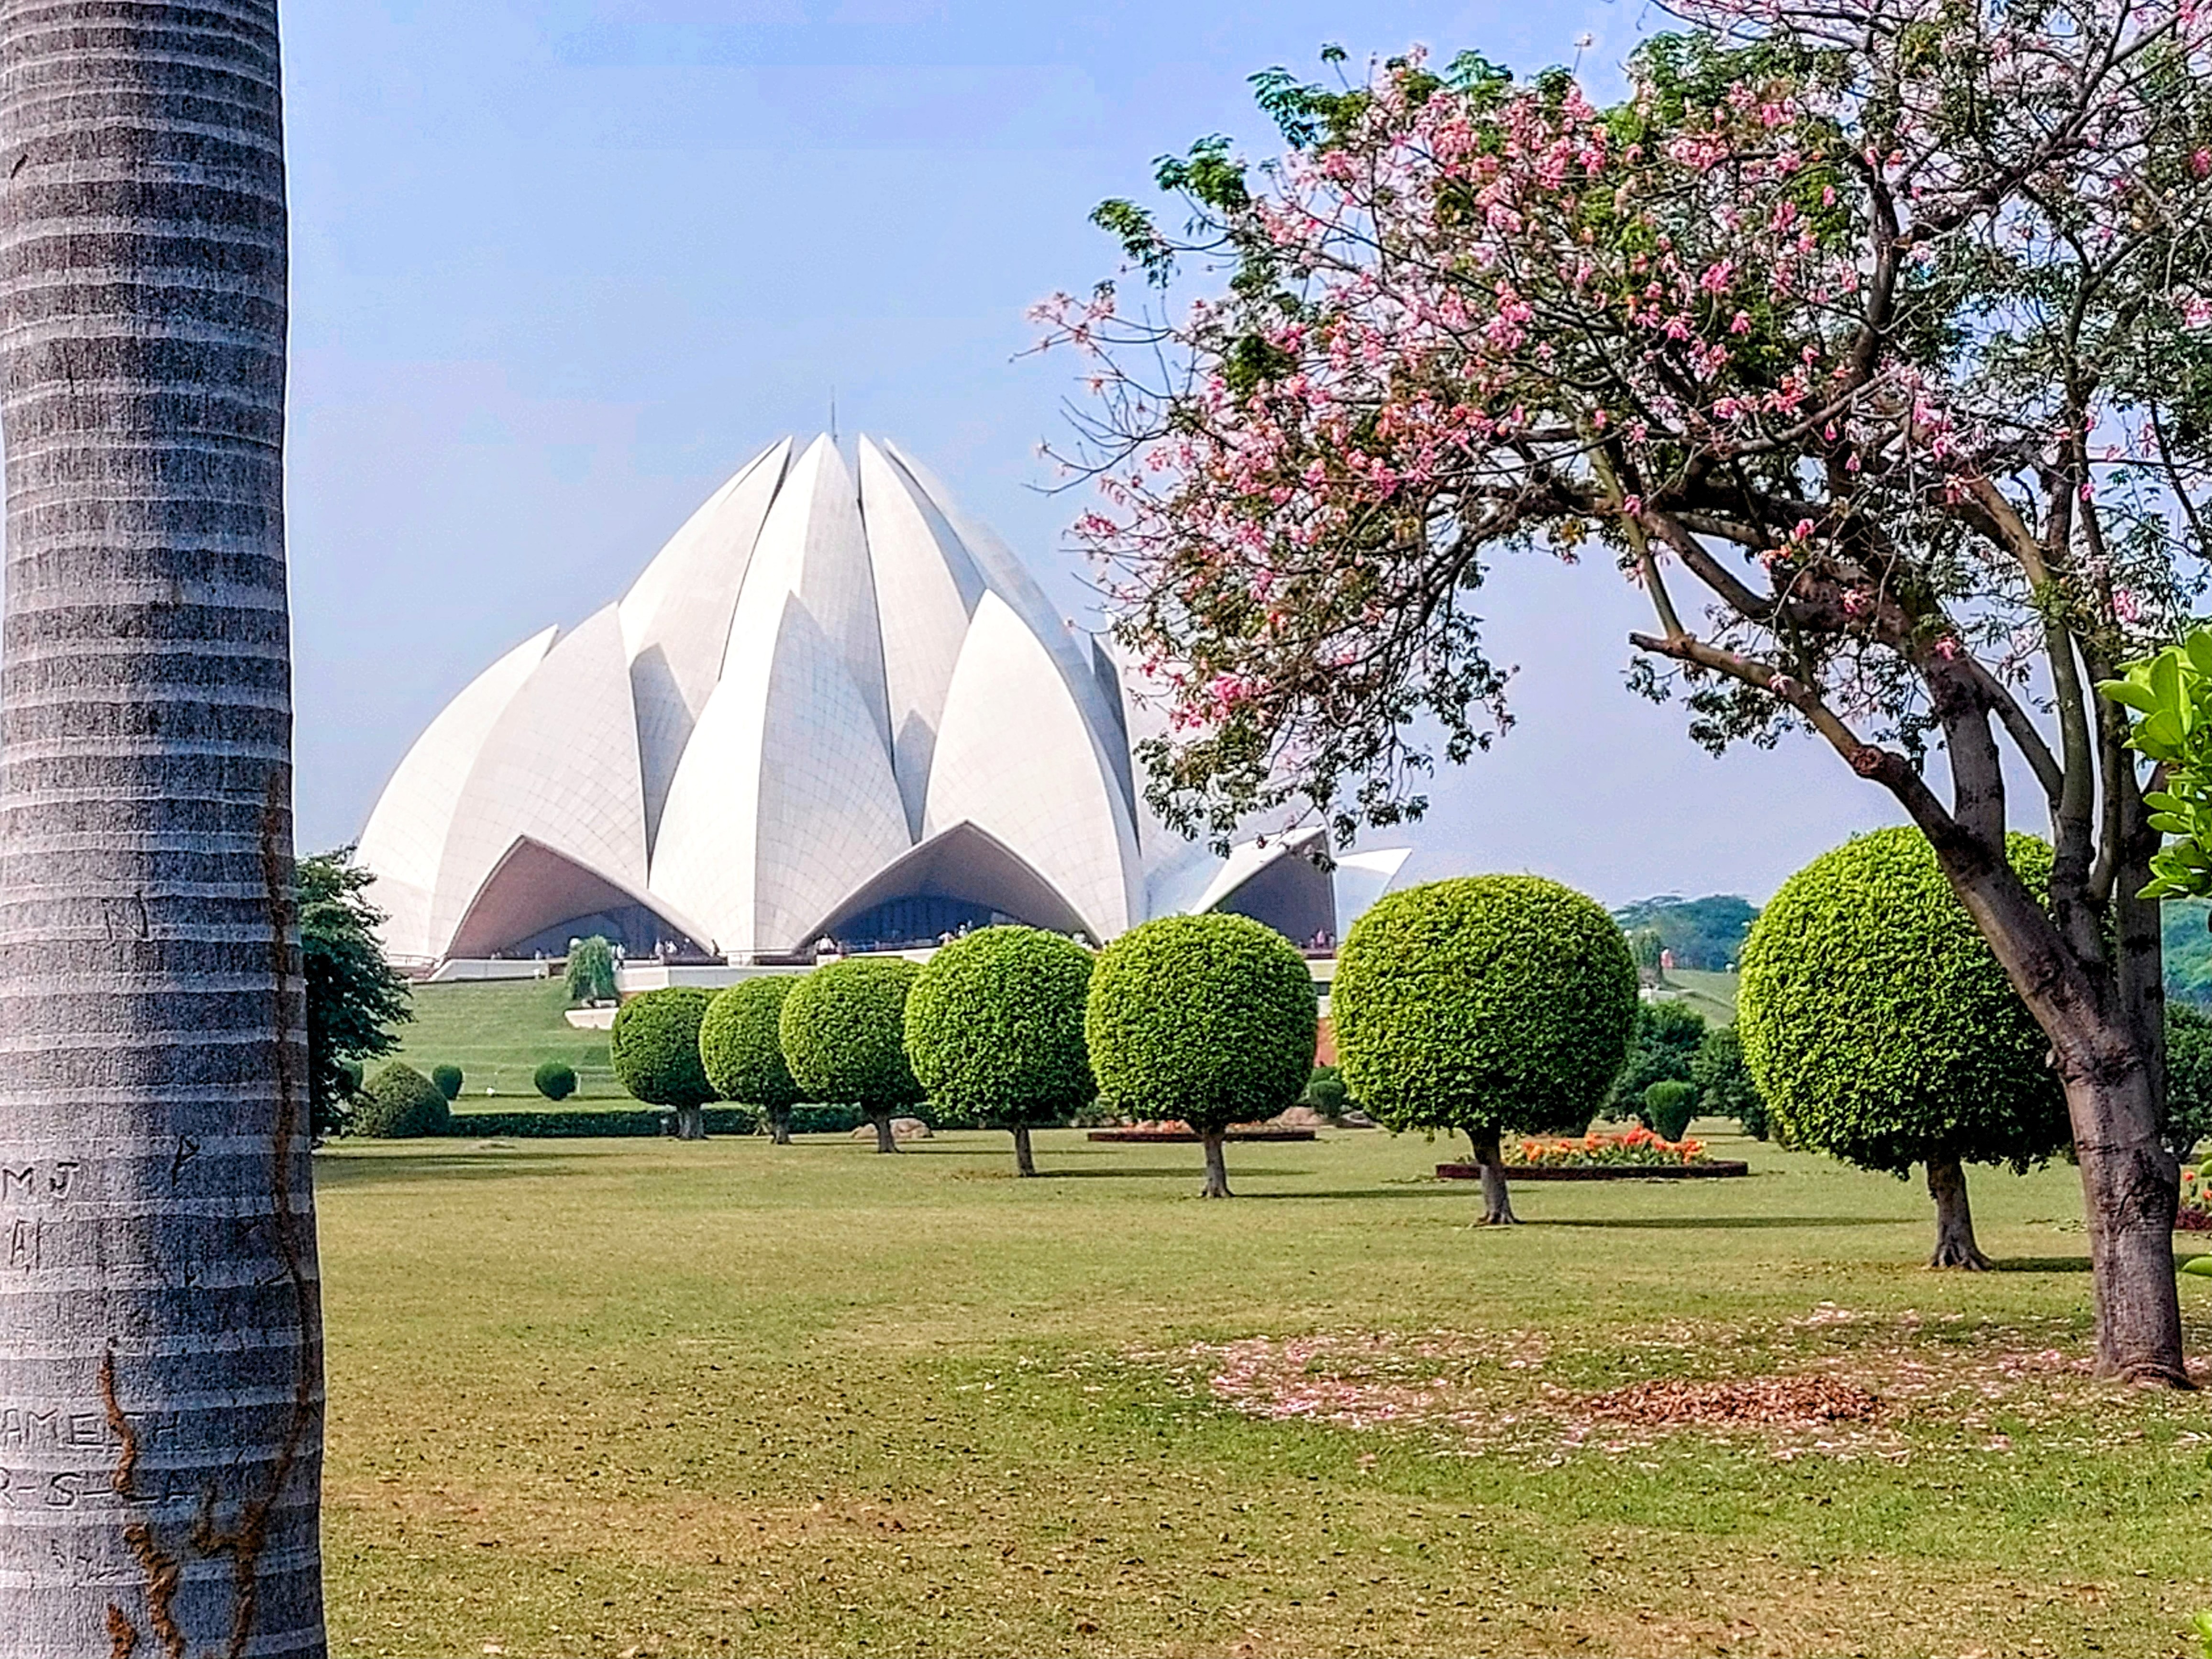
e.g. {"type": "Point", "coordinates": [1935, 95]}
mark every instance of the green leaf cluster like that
{"type": "Point", "coordinates": [1663, 1049]}
{"type": "Point", "coordinates": [1488, 1004]}
{"type": "Point", "coordinates": [994, 1028]}
{"type": "Point", "coordinates": [1725, 1088]}
{"type": "Point", "coordinates": [654, 1047]}
{"type": "Point", "coordinates": [843, 1032]}
{"type": "Point", "coordinates": [555, 1080]}
{"type": "Point", "coordinates": [400, 1103]}
{"type": "Point", "coordinates": [354, 996]}
{"type": "Point", "coordinates": [741, 1043]}
{"type": "Point", "coordinates": [1668, 1106]}
{"type": "Point", "coordinates": [448, 1079]}
{"type": "Point", "coordinates": [1208, 1018]}
{"type": "Point", "coordinates": [2170, 696]}
{"type": "Point", "coordinates": [1878, 1025]}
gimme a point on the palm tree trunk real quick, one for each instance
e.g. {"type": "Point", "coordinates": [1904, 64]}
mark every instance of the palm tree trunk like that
{"type": "Point", "coordinates": [161, 1328]}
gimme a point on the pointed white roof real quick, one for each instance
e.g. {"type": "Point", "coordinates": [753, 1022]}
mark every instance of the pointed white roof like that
{"type": "Point", "coordinates": [832, 698]}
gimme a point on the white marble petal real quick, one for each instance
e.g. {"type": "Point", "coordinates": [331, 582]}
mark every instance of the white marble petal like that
{"type": "Point", "coordinates": [785, 800]}
{"type": "Point", "coordinates": [1016, 758]}
{"type": "Point", "coordinates": [405, 842]}
{"type": "Point", "coordinates": [560, 767]}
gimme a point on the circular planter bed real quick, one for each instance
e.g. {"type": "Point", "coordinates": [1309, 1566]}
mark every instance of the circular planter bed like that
{"type": "Point", "coordinates": [1192, 1137]}
{"type": "Point", "coordinates": [1716, 1167]}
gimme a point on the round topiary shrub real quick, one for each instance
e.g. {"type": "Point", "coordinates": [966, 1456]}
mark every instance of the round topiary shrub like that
{"type": "Point", "coordinates": [1880, 1030]}
{"type": "Point", "coordinates": [555, 1080]}
{"type": "Point", "coordinates": [400, 1103]}
{"type": "Point", "coordinates": [1211, 1019]}
{"type": "Point", "coordinates": [448, 1079]}
{"type": "Point", "coordinates": [994, 1031]}
{"type": "Point", "coordinates": [1484, 1005]}
{"type": "Point", "coordinates": [843, 1030]}
{"type": "Point", "coordinates": [654, 1046]}
{"type": "Point", "coordinates": [1668, 1106]}
{"type": "Point", "coordinates": [741, 1046]}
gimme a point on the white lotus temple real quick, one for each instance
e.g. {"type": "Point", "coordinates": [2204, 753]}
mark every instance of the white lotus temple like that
{"type": "Point", "coordinates": [832, 707]}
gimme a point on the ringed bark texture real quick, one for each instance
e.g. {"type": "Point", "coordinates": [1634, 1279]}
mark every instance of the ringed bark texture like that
{"type": "Point", "coordinates": [160, 1334]}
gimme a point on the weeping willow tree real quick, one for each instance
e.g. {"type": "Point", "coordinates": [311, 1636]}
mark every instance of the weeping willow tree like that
{"type": "Point", "coordinates": [161, 1334]}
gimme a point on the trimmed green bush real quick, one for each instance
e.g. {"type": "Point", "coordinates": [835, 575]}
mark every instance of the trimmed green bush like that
{"type": "Point", "coordinates": [591, 976]}
{"type": "Point", "coordinates": [1880, 1030]}
{"type": "Point", "coordinates": [555, 1080]}
{"type": "Point", "coordinates": [1326, 1093]}
{"type": "Point", "coordinates": [399, 1103]}
{"type": "Point", "coordinates": [1209, 1019]}
{"type": "Point", "coordinates": [1668, 1106]}
{"type": "Point", "coordinates": [843, 1032]}
{"type": "Point", "coordinates": [995, 1031]}
{"type": "Point", "coordinates": [634, 1123]}
{"type": "Point", "coordinates": [654, 1046]}
{"type": "Point", "coordinates": [1486, 1005]}
{"type": "Point", "coordinates": [448, 1079]}
{"type": "Point", "coordinates": [1724, 1085]}
{"type": "Point", "coordinates": [742, 1050]}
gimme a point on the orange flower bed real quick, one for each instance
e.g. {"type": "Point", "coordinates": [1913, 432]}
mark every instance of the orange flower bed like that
{"type": "Point", "coordinates": [2195, 1215]}
{"type": "Point", "coordinates": [1638, 1145]}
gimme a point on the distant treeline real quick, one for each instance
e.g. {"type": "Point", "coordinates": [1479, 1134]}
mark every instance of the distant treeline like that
{"type": "Point", "coordinates": [2188, 952]}
{"type": "Point", "coordinates": [1705, 932]}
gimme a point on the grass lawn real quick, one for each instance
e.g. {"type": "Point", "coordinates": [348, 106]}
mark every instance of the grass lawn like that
{"type": "Point", "coordinates": [650, 1398]}
{"type": "Point", "coordinates": [499, 1033]}
{"type": "Point", "coordinates": [1712, 995]}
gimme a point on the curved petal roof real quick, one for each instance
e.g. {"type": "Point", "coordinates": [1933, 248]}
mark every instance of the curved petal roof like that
{"type": "Point", "coordinates": [832, 700]}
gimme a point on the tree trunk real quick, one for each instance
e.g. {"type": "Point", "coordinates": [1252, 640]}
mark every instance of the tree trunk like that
{"type": "Point", "coordinates": [1217, 1170]}
{"type": "Point", "coordinates": [160, 1326]}
{"type": "Point", "coordinates": [885, 1140]}
{"type": "Point", "coordinates": [2131, 1185]}
{"type": "Point", "coordinates": [1497, 1201]}
{"type": "Point", "coordinates": [690, 1122]}
{"type": "Point", "coordinates": [779, 1126]}
{"type": "Point", "coordinates": [1024, 1162]}
{"type": "Point", "coordinates": [1954, 1219]}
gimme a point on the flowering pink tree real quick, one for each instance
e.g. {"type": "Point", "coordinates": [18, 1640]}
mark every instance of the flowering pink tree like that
{"type": "Point", "coordinates": [1872, 339]}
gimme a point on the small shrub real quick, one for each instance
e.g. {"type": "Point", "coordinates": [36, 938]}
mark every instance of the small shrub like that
{"type": "Point", "coordinates": [995, 1031]}
{"type": "Point", "coordinates": [1326, 1093]}
{"type": "Point", "coordinates": [654, 1046]}
{"type": "Point", "coordinates": [448, 1079]}
{"type": "Point", "coordinates": [555, 1080]}
{"type": "Point", "coordinates": [1486, 1005]}
{"type": "Point", "coordinates": [1209, 1019]}
{"type": "Point", "coordinates": [843, 1032]}
{"type": "Point", "coordinates": [1668, 1106]}
{"type": "Point", "coordinates": [1724, 1085]}
{"type": "Point", "coordinates": [400, 1103]}
{"type": "Point", "coordinates": [591, 976]}
{"type": "Point", "coordinates": [742, 1050]}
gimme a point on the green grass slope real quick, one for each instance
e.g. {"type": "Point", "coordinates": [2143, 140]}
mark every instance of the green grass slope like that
{"type": "Point", "coordinates": [648, 1398]}
{"type": "Point", "coordinates": [499, 1034]}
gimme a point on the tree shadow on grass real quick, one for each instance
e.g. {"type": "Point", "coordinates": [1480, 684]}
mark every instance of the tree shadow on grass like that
{"type": "Point", "coordinates": [2040, 1264]}
{"type": "Point", "coordinates": [1190, 1172]}
{"type": "Point", "coordinates": [1741, 1223]}
{"type": "Point", "coordinates": [490, 1163]}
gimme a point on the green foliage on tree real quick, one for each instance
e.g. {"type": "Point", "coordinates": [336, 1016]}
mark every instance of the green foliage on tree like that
{"type": "Point", "coordinates": [994, 1031]}
{"type": "Point", "coordinates": [354, 996]}
{"type": "Point", "coordinates": [1724, 1085]}
{"type": "Point", "coordinates": [1211, 1019]}
{"type": "Point", "coordinates": [1668, 1106]}
{"type": "Point", "coordinates": [448, 1079]}
{"type": "Point", "coordinates": [1485, 1005]}
{"type": "Point", "coordinates": [1703, 934]}
{"type": "Point", "coordinates": [400, 1103]}
{"type": "Point", "coordinates": [654, 1047]}
{"type": "Point", "coordinates": [2187, 1078]}
{"type": "Point", "coordinates": [555, 1080]}
{"type": "Point", "coordinates": [843, 1032]}
{"type": "Point", "coordinates": [1880, 1030]}
{"type": "Point", "coordinates": [1646, 949]}
{"type": "Point", "coordinates": [741, 1044]}
{"type": "Point", "coordinates": [591, 976]}
{"type": "Point", "coordinates": [1663, 1046]}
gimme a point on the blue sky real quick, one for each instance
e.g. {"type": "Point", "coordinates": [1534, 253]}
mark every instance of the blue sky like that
{"type": "Point", "coordinates": [558, 267]}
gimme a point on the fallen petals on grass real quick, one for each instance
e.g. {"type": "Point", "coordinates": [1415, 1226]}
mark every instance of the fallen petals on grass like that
{"type": "Point", "coordinates": [1779, 1402]}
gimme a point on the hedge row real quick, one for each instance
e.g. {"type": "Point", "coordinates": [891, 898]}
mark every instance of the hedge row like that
{"type": "Point", "coordinates": [637, 1122]}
